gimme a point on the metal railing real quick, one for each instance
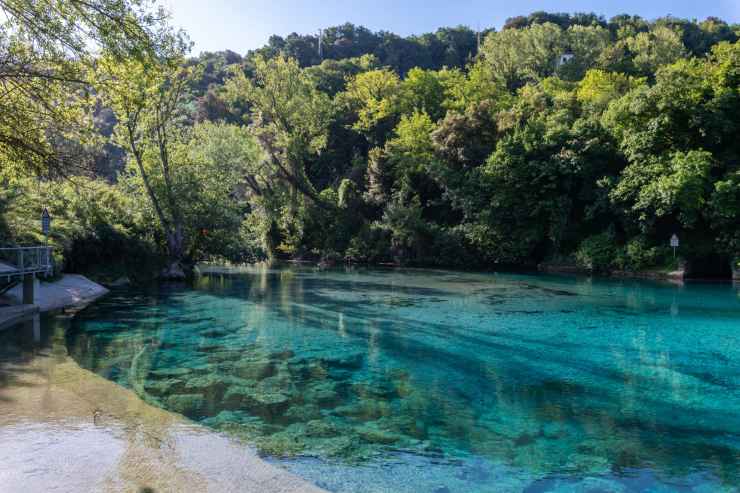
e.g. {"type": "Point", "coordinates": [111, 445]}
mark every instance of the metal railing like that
{"type": "Point", "coordinates": [17, 261]}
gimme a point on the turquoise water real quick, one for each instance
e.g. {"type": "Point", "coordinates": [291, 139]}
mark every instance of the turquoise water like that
{"type": "Point", "coordinates": [441, 382]}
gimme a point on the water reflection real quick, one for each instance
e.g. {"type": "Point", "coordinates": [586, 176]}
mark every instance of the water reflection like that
{"type": "Point", "coordinates": [551, 377]}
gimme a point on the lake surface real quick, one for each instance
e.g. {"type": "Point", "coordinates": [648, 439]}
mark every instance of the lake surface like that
{"type": "Point", "coordinates": [441, 382]}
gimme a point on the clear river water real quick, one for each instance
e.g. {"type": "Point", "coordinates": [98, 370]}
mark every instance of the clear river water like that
{"type": "Point", "coordinates": [434, 381]}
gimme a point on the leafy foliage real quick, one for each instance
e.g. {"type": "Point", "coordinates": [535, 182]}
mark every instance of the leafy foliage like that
{"type": "Point", "coordinates": [567, 136]}
{"type": "Point", "coordinates": [47, 50]}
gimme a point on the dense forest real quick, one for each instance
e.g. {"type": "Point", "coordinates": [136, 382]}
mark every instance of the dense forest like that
{"type": "Point", "coordinates": [562, 139]}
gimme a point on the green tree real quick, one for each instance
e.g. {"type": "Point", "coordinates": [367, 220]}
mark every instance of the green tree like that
{"type": "Point", "coordinates": [331, 76]}
{"type": "Point", "coordinates": [477, 86]}
{"type": "Point", "coordinates": [223, 180]}
{"type": "Point", "coordinates": [518, 56]}
{"type": "Point", "coordinates": [425, 91]}
{"type": "Point", "coordinates": [48, 48]}
{"type": "Point", "coordinates": [674, 185]}
{"type": "Point", "coordinates": [598, 88]}
{"type": "Point", "coordinates": [409, 154]}
{"type": "Point", "coordinates": [660, 46]}
{"type": "Point", "coordinates": [679, 136]}
{"type": "Point", "coordinates": [586, 44]}
{"type": "Point", "coordinates": [148, 102]}
{"type": "Point", "coordinates": [290, 118]}
{"type": "Point", "coordinates": [374, 96]}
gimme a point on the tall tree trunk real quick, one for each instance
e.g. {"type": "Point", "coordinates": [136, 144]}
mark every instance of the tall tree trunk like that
{"type": "Point", "coordinates": [176, 269]}
{"type": "Point", "coordinates": [173, 229]}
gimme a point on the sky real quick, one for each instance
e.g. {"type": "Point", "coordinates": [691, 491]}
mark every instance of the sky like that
{"type": "Point", "coordinates": [241, 25]}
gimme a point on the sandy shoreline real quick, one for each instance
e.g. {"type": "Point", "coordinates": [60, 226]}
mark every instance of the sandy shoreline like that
{"type": "Point", "coordinates": [63, 428]}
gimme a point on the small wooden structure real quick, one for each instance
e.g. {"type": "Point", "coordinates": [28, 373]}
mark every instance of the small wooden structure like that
{"type": "Point", "coordinates": [23, 264]}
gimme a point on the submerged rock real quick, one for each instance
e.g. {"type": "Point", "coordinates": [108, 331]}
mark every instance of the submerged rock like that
{"type": "Point", "coordinates": [282, 355]}
{"type": "Point", "coordinates": [373, 434]}
{"type": "Point", "coordinates": [215, 333]}
{"type": "Point", "coordinates": [588, 464]}
{"type": "Point", "coordinates": [164, 388]}
{"type": "Point", "coordinates": [265, 398]}
{"type": "Point", "coordinates": [281, 444]}
{"type": "Point", "coordinates": [254, 369]}
{"type": "Point", "coordinates": [323, 393]}
{"type": "Point", "coordinates": [240, 395]}
{"type": "Point", "coordinates": [346, 362]}
{"type": "Point", "coordinates": [239, 424]}
{"type": "Point", "coordinates": [317, 370]}
{"type": "Point", "coordinates": [225, 417]}
{"type": "Point", "coordinates": [347, 446]}
{"type": "Point", "coordinates": [303, 413]}
{"type": "Point", "coordinates": [169, 372]}
{"type": "Point", "coordinates": [321, 429]}
{"type": "Point", "coordinates": [209, 348]}
{"type": "Point", "coordinates": [223, 356]}
{"type": "Point", "coordinates": [366, 409]}
{"type": "Point", "coordinates": [209, 383]}
{"type": "Point", "coordinates": [272, 402]}
{"type": "Point", "coordinates": [407, 425]}
{"type": "Point", "coordinates": [187, 404]}
{"type": "Point", "coordinates": [375, 389]}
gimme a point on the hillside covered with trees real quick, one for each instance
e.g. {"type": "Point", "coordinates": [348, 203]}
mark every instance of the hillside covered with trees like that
{"type": "Point", "coordinates": [564, 138]}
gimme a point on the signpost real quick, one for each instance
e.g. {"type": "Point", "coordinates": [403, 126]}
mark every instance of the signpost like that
{"type": "Point", "coordinates": [674, 244]}
{"type": "Point", "coordinates": [45, 223]}
{"type": "Point", "coordinates": [46, 228]}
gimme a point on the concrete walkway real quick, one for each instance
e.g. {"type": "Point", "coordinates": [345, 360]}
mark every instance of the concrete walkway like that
{"type": "Point", "coordinates": [71, 291]}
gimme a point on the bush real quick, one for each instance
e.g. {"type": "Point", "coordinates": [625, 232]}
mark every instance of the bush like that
{"type": "Point", "coordinates": [371, 244]}
{"type": "Point", "coordinates": [598, 253]}
{"type": "Point", "coordinates": [641, 256]}
{"type": "Point", "coordinates": [446, 247]}
{"type": "Point", "coordinates": [95, 227]}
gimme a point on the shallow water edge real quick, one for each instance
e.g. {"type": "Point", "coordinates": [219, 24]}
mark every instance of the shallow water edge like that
{"type": "Point", "coordinates": [66, 429]}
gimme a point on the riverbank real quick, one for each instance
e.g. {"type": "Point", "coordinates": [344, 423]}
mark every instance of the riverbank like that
{"type": "Point", "coordinates": [66, 429]}
{"type": "Point", "coordinates": [677, 275]}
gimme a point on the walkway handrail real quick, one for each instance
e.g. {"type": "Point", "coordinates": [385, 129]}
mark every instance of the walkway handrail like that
{"type": "Point", "coordinates": [26, 260]}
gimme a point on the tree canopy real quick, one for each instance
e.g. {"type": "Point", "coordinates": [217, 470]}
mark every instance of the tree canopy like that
{"type": "Point", "coordinates": [568, 137]}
